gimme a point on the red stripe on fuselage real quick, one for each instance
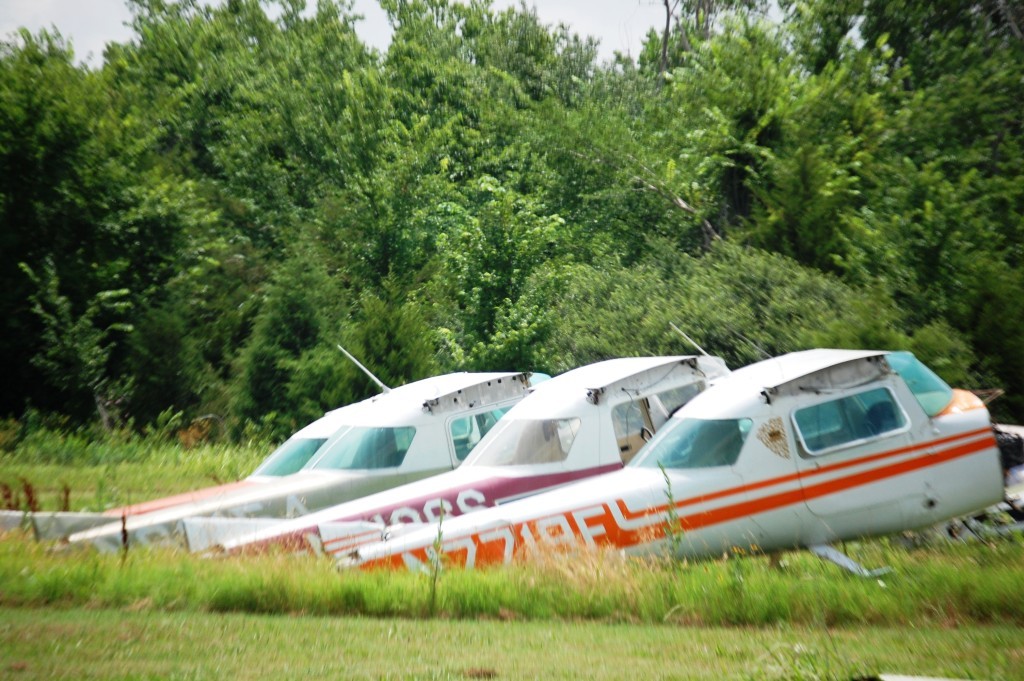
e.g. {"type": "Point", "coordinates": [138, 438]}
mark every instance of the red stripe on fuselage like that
{"type": "Point", "coordinates": [776, 501]}
{"type": "Point", "coordinates": [178, 499]}
{"type": "Point", "coordinates": [493, 490]}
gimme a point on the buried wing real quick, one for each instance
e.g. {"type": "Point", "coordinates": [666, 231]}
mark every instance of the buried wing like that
{"type": "Point", "coordinates": [286, 459]}
{"type": "Point", "coordinates": [211, 534]}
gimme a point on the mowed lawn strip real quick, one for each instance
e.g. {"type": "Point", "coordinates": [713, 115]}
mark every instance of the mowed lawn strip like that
{"type": "Point", "coordinates": [120, 644]}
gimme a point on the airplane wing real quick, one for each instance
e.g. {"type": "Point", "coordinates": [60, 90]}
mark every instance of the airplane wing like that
{"type": "Point", "coordinates": [208, 533]}
{"type": "Point", "coordinates": [55, 525]}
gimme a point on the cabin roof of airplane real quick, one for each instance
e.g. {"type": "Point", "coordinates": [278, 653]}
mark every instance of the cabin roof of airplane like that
{"type": "Point", "coordinates": [564, 393]}
{"type": "Point", "coordinates": [742, 391]}
{"type": "Point", "coordinates": [441, 392]}
{"type": "Point", "coordinates": [607, 373]}
{"type": "Point", "coordinates": [776, 372]}
{"type": "Point", "coordinates": [447, 384]}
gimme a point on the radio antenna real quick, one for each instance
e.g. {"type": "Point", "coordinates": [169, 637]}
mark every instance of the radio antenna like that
{"type": "Point", "coordinates": [755, 346]}
{"type": "Point", "coordinates": [690, 340]}
{"type": "Point", "coordinates": [366, 371]}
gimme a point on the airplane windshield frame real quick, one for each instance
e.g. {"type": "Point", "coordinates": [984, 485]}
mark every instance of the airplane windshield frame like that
{"type": "Point", "coordinates": [696, 443]}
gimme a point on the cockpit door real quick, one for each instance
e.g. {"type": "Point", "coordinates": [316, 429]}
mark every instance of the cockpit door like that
{"type": "Point", "coordinates": [850, 445]}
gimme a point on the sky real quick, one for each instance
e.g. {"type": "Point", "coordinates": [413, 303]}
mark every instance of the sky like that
{"type": "Point", "coordinates": [620, 25]}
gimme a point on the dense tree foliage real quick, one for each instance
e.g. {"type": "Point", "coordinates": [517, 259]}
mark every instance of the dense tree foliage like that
{"type": "Point", "coordinates": [193, 227]}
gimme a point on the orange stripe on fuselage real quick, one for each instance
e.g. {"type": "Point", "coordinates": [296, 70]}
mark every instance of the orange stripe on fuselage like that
{"type": "Point", "coordinates": [816, 491]}
{"type": "Point", "coordinates": [614, 535]}
{"type": "Point", "coordinates": [801, 475]}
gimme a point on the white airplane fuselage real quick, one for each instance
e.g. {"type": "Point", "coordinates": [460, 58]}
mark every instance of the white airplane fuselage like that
{"type": "Point", "coordinates": [411, 432]}
{"type": "Point", "coordinates": [809, 449]}
{"type": "Point", "coordinates": [583, 423]}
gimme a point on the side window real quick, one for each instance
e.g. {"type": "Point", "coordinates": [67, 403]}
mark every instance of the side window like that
{"type": "Point", "coordinates": [556, 447]}
{"type": "Point", "coordinates": [668, 402]}
{"type": "Point", "coordinates": [631, 419]}
{"type": "Point", "coordinates": [628, 422]}
{"type": "Point", "coordinates": [528, 441]}
{"type": "Point", "coordinates": [468, 430]}
{"type": "Point", "coordinates": [848, 420]}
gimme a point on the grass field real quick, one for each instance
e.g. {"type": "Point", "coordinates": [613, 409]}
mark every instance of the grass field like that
{"type": "Point", "coordinates": [946, 610]}
{"type": "Point", "coordinates": [949, 611]}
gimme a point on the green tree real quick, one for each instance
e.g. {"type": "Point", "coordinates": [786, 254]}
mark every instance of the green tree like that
{"type": "Point", "coordinates": [69, 207]}
{"type": "Point", "coordinates": [294, 311]}
{"type": "Point", "coordinates": [388, 336]}
{"type": "Point", "coordinates": [75, 349]}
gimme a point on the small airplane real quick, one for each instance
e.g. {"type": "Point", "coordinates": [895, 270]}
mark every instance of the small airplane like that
{"type": "Point", "coordinates": [289, 458]}
{"type": "Point", "coordinates": [803, 450]}
{"type": "Point", "coordinates": [582, 423]}
{"type": "Point", "coordinates": [410, 432]}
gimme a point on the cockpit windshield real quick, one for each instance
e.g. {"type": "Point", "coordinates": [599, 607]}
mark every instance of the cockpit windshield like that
{"type": "Point", "coordinates": [290, 456]}
{"type": "Point", "coordinates": [931, 391]}
{"type": "Point", "coordinates": [361, 448]}
{"type": "Point", "coordinates": [520, 442]}
{"type": "Point", "coordinates": [696, 443]}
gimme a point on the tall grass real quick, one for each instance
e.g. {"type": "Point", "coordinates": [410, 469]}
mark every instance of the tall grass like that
{"type": "Point", "coordinates": [44, 446]}
{"type": "Point", "coordinates": [945, 585]}
{"type": "Point", "coordinates": [82, 470]}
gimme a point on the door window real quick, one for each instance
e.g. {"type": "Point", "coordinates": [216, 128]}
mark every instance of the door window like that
{"type": "Point", "coordinates": [848, 420]}
{"type": "Point", "coordinates": [466, 431]}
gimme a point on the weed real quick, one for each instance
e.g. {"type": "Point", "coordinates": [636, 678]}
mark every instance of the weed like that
{"type": "Point", "coordinates": [673, 527]}
{"type": "Point", "coordinates": [800, 662]}
{"type": "Point", "coordinates": [960, 585]}
{"type": "Point", "coordinates": [194, 435]}
{"type": "Point", "coordinates": [435, 563]}
{"type": "Point", "coordinates": [124, 537]}
{"type": "Point", "coordinates": [31, 500]}
{"type": "Point", "coordinates": [10, 433]}
{"type": "Point", "coordinates": [737, 567]}
{"type": "Point", "coordinates": [102, 495]}
{"type": "Point", "coordinates": [10, 499]}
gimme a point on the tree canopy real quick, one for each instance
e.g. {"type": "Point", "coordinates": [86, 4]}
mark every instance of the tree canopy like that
{"type": "Point", "coordinates": [193, 226]}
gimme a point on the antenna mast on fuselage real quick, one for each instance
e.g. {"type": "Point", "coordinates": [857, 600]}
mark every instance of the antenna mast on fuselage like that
{"type": "Point", "coordinates": [366, 371]}
{"type": "Point", "coordinates": [690, 340]}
